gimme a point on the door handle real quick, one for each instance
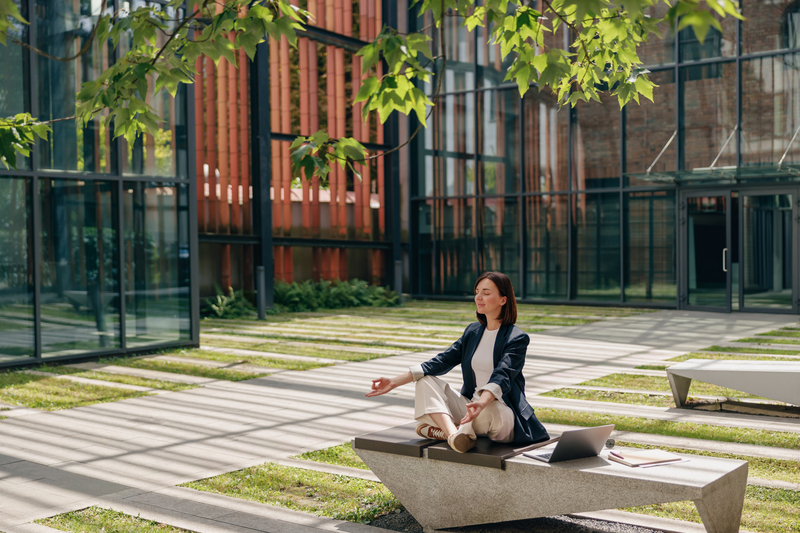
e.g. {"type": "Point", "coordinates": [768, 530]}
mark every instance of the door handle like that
{"type": "Point", "coordinates": [724, 265]}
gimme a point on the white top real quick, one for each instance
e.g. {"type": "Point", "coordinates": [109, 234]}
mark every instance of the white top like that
{"type": "Point", "coordinates": [483, 359]}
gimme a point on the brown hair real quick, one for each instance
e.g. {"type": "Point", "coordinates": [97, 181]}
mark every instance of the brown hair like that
{"type": "Point", "coordinates": [508, 313]}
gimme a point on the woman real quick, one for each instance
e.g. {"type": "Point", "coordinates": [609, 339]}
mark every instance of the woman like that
{"type": "Point", "coordinates": [491, 353]}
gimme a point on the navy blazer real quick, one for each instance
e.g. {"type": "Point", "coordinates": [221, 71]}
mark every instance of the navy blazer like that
{"type": "Point", "coordinates": [509, 358]}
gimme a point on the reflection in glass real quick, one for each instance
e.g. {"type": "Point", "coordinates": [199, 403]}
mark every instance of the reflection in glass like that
{"type": "Point", "coordinates": [62, 29]}
{"type": "Point", "coordinates": [658, 50]}
{"type": "Point", "coordinates": [706, 242]}
{"type": "Point", "coordinates": [454, 145]}
{"type": "Point", "coordinates": [546, 247]}
{"type": "Point", "coordinates": [649, 130]}
{"type": "Point", "coordinates": [498, 138]}
{"type": "Point", "coordinates": [597, 145]}
{"type": "Point", "coordinates": [650, 274]}
{"type": "Point", "coordinates": [709, 115]}
{"type": "Point", "coordinates": [492, 68]}
{"type": "Point", "coordinates": [716, 44]}
{"type": "Point", "coordinates": [770, 26]}
{"type": "Point", "coordinates": [166, 152]}
{"type": "Point", "coordinates": [156, 271]}
{"type": "Point", "coordinates": [767, 252]}
{"type": "Point", "coordinates": [499, 227]}
{"type": "Point", "coordinates": [546, 143]}
{"type": "Point", "coordinates": [79, 268]}
{"type": "Point", "coordinates": [424, 222]}
{"type": "Point", "coordinates": [459, 47]}
{"type": "Point", "coordinates": [596, 246]}
{"type": "Point", "coordinates": [770, 110]}
{"type": "Point", "coordinates": [13, 85]}
{"type": "Point", "coordinates": [16, 270]}
{"type": "Point", "coordinates": [455, 246]}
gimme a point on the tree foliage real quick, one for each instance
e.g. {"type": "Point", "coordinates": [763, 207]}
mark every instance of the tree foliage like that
{"type": "Point", "coordinates": [162, 49]}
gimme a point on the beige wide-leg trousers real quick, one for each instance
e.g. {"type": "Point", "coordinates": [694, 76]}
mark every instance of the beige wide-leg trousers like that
{"type": "Point", "coordinates": [434, 395]}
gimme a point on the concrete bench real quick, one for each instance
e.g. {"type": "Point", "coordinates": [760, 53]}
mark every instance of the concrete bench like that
{"type": "Point", "coordinates": [444, 489]}
{"type": "Point", "coordinates": [776, 380]}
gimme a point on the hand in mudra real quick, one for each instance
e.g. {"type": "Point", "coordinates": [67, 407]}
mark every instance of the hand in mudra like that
{"type": "Point", "coordinates": [473, 410]}
{"type": "Point", "coordinates": [380, 386]}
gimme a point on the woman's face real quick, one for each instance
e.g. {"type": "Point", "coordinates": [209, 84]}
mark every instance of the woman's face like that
{"type": "Point", "coordinates": [488, 299]}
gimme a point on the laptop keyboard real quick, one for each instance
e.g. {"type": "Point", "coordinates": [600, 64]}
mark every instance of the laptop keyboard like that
{"type": "Point", "coordinates": [545, 456]}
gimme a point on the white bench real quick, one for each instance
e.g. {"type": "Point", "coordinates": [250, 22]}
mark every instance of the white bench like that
{"type": "Point", "coordinates": [444, 489]}
{"type": "Point", "coordinates": [776, 380]}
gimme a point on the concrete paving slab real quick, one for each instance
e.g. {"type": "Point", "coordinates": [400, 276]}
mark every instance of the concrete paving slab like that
{"type": "Point", "coordinates": [321, 346]}
{"type": "Point", "coordinates": [256, 353]}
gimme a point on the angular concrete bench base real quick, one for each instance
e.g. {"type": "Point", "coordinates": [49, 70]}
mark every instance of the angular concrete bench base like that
{"type": "Point", "coordinates": [776, 380]}
{"type": "Point", "coordinates": [444, 494]}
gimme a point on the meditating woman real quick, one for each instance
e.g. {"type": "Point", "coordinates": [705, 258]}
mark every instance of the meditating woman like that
{"type": "Point", "coordinates": [491, 353]}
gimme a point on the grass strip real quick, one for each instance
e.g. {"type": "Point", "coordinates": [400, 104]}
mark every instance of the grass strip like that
{"type": "Point", "coordinates": [607, 396]}
{"type": "Point", "coordinates": [657, 383]}
{"type": "Point", "coordinates": [319, 493]}
{"type": "Point", "coordinates": [759, 437]}
{"type": "Point", "coordinates": [759, 340]}
{"type": "Point", "coordinates": [54, 394]}
{"type": "Point", "coordinates": [766, 510]}
{"type": "Point", "coordinates": [761, 467]}
{"type": "Point", "coordinates": [341, 455]}
{"type": "Point", "coordinates": [99, 520]}
{"type": "Point", "coordinates": [270, 362]}
{"type": "Point", "coordinates": [118, 378]}
{"type": "Point", "coordinates": [737, 349]}
{"type": "Point", "coordinates": [722, 356]}
{"type": "Point", "coordinates": [651, 367]}
{"type": "Point", "coordinates": [780, 333]}
{"type": "Point", "coordinates": [187, 369]}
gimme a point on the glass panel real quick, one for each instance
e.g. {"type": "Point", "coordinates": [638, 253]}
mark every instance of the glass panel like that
{"type": "Point", "coordinates": [422, 185]}
{"type": "Point", "coordinates": [454, 167]}
{"type": "Point", "coordinates": [597, 145]}
{"type": "Point", "coordinates": [424, 221]}
{"type": "Point", "coordinates": [492, 68]}
{"type": "Point", "coordinates": [770, 110]}
{"type": "Point", "coordinates": [649, 130]}
{"type": "Point", "coordinates": [770, 26]}
{"type": "Point", "coordinates": [498, 138]}
{"type": "Point", "coordinates": [650, 247]}
{"type": "Point", "coordinates": [706, 241]}
{"type": "Point", "coordinates": [156, 271]}
{"type": "Point", "coordinates": [80, 290]}
{"type": "Point", "coordinates": [596, 246]}
{"type": "Point", "coordinates": [716, 44]}
{"type": "Point", "coordinates": [546, 149]}
{"type": "Point", "coordinates": [546, 246]}
{"type": "Point", "coordinates": [61, 32]}
{"type": "Point", "coordinates": [709, 115]}
{"type": "Point", "coordinates": [658, 50]}
{"type": "Point", "coordinates": [500, 237]}
{"type": "Point", "coordinates": [767, 253]}
{"type": "Point", "coordinates": [455, 246]}
{"type": "Point", "coordinates": [460, 50]}
{"type": "Point", "coordinates": [16, 270]}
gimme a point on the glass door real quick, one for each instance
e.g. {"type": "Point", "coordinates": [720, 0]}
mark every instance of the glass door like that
{"type": "Point", "coordinates": [767, 276]}
{"type": "Point", "coordinates": [705, 221]}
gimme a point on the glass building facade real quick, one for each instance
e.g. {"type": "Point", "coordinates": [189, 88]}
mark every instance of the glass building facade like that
{"type": "Point", "coordinates": [95, 235]}
{"type": "Point", "coordinates": [690, 201]}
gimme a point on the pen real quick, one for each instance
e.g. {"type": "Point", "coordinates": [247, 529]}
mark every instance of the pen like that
{"type": "Point", "coordinates": [616, 455]}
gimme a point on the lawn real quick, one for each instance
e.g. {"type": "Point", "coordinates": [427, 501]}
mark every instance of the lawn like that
{"type": "Point", "coordinates": [53, 394]}
{"type": "Point", "coordinates": [99, 520]}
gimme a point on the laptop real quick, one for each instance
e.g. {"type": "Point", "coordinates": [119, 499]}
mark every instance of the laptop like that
{"type": "Point", "coordinates": [575, 444]}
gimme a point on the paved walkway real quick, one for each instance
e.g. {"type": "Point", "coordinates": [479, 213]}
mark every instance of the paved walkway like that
{"type": "Point", "coordinates": [130, 454]}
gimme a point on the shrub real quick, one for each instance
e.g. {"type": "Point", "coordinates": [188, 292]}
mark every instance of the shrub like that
{"type": "Point", "coordinates": [233, 305]}
{"type": "Point", "coordinates": [310, 296]}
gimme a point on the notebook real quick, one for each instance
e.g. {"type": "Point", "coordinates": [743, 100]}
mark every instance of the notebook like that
{"type": "Point", "coordinates": [643, 457]}
{"type": "Point", "coordinates": [575, 444]}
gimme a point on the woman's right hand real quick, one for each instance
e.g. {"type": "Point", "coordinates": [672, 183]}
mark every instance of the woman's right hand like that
{"type": "Point", "coordinates": [381, 386]}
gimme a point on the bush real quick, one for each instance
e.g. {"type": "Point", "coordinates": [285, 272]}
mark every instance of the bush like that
{"type": "Point", "coordinates": [311, 296]}
{"type": "Point", "coordinates": [234, 305]}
